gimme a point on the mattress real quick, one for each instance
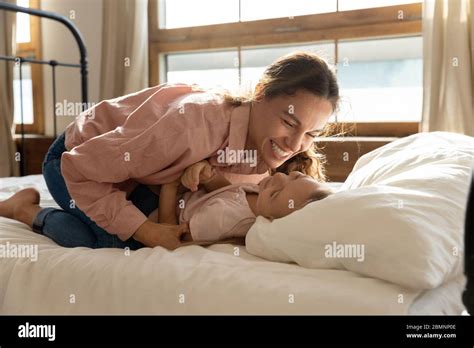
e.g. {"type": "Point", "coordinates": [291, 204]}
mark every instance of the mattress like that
{"type": "Point", "coordinates": [218, 279]}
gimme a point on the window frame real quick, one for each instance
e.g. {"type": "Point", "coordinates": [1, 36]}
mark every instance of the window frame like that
{"type": "Point", "coordinates": [370, 23]}
{"type": "Point", "coordinates": [33, 49]}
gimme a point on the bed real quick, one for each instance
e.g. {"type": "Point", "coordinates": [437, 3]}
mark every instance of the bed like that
{"type": "Point", "coordinates": [219, 279]}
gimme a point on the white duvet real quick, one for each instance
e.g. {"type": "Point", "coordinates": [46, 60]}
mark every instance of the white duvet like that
{"type": "Point", "coordinates": [220, 279]}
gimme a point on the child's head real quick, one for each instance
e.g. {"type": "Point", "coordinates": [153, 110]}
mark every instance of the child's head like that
{"type": "Point", "coordinates": [281, 194]}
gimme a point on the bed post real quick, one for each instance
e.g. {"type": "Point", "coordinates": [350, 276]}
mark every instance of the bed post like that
{"type": "Point", "coordinates": [82, 65]}
{"type": "Point", "coordinates": [75, 32]}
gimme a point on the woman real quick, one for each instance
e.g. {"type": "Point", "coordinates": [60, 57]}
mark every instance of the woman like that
{"type": "Point", "coordinates": [150, 137]}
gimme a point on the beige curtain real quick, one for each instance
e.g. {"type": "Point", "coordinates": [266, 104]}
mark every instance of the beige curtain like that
{"type": "Point", "coordinates": [448, 39]}
{"type": "Point", "coordinates": [8, 165]}
{"type": "Point", "coordinates": [124, 65]}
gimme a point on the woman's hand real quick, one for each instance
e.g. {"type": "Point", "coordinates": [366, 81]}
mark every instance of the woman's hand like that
{"type": "Point", "coordinates": [198, 173]}
{"type": "Point", "coordinates": [168, 236]}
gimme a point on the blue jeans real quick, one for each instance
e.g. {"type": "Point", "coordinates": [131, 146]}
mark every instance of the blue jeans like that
{"type": "Point", "coordinates": [69, 226]}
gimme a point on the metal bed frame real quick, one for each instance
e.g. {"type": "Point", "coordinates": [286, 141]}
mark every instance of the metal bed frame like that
{"type": "Point", "coordinates": [19, 61]}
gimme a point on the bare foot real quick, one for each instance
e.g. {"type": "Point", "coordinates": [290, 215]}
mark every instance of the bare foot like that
{"type": "Point", "coordinates": [25, 197]}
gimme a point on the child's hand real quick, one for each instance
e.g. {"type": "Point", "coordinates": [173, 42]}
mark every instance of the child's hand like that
{"type": "Point", "coordinates": [198, 173]}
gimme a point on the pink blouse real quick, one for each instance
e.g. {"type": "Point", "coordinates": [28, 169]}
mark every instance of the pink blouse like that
{"type": "Point", "coordinates": [220, 214]}
{"type": "Point", "coordinates": [149, 137]}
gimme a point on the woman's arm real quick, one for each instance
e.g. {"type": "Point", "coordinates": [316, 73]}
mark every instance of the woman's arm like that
{"type": "Point", "coordinates": [167, 205]}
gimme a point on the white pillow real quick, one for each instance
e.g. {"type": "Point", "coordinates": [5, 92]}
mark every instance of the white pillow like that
{"type": "Point", "coordinates": [403, 205]}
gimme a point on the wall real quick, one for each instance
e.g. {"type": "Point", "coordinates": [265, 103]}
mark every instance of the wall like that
{"type": "Point", "coordinates": [59, 44]}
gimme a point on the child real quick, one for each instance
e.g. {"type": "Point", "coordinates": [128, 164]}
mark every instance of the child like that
{"type": "Point", "coordinates": [219, 211]}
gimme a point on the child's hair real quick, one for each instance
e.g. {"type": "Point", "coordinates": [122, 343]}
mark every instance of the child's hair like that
{"type": "Point", "coordinates": [288, 74]}
{"type": "Point", "coordinates": [320, 193]}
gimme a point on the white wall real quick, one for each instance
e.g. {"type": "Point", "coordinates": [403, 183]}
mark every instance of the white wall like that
{"type": "Point", "coordinates": [59, 44]}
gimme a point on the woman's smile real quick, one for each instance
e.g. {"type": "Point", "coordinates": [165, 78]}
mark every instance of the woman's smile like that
{"type": "Point", "coordinates": [278, 152]}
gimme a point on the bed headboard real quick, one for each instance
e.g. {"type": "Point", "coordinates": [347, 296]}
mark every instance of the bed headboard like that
{"type": "Point", "coordinates": [52, 63]}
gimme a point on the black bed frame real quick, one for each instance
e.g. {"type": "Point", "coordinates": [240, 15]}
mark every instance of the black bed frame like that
{"type": "Point", "coordinates": [19, 61]}
{"type": "Point", "coordinates": [468, 295]}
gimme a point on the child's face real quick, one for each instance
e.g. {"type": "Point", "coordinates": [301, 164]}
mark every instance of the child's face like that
{"type": "Point", "coordinates": [281, 194]}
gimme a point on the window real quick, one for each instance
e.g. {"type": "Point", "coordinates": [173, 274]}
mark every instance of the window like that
{"type": "Point", "coordinates": [381, 80]}
{"type": "Point", "coordinates": [228, 11]}
{"type": "Point", "coordinates": [224, 69]}
{"type": "Point", "coordinates": [376, 46]}
{"type": "Point", "coordinates": [255, 60]}
{"type": "Point", "coordinates": [208, 69]}
{"type": "Point", "coordinates": [23, 94]}
{"type": "Point", "coordinates": [29, 91]}
{"type": "Point", "coordinates": [23, 31]}
{"type": "Point", "coordinates": [262, 9]}
{"type": "Point", "coordinates": [210, 12]}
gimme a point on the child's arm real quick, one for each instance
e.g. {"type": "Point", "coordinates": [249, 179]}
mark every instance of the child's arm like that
{"type": "Point", "coordinates": [203, 173]}
{"type": "Point", "coordinates": [216, 182]}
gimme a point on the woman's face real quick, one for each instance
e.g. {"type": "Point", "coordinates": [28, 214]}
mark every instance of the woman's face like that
{"type": "Point", "coordinates": [284, 126]}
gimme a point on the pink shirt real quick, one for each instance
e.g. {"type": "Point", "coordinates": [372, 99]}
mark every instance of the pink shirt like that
{"type": "Point", "coordinates": [220, 214]}
{"type": "Point", "coordinates": [148, 137]}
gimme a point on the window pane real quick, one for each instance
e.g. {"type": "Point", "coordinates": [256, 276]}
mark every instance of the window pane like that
{"type": "Point", "coordinates": [254, 61]}
{"type": "Point", "coordinates": [262, 9]}
{"type": "Point", "coordinates": [27, 89]}
{"type": "Point", "coordinates": [381, 80]}
{"type": "Point", "coordinates": [23, 23]}
{"type": "Point", "coordinates": [189, 13]}
{"type": "Point", "coordinates": [347, 5]}
{"type": "Point", "coordinates": [207, 69]}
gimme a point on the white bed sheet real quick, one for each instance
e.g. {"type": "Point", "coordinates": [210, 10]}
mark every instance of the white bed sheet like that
{"type": "Point", "coordinates": [190, 280]}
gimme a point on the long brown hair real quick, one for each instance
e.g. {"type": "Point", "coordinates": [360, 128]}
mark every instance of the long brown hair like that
{"type": "Point", "coordinates": [288, 74]}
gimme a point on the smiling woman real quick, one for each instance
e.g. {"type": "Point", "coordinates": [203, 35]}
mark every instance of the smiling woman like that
{"type": "Point", "coordinates": [94, 169]}
{"type": "Point", "coordinates": [290, 106]}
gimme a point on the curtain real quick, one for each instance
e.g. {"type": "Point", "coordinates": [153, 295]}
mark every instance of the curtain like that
{"type": "Point", "coordinates": [448, 71]}
{"type": "Point", "coordinates": [8, 165]}
{"type": "Point", "coordinates": [124, 62]}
